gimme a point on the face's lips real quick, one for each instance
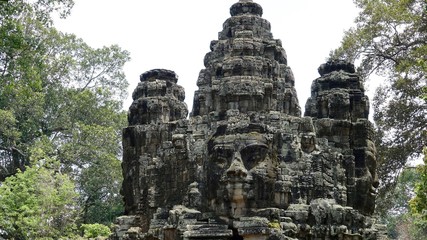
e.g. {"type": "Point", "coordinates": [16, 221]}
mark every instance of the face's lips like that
{"type": "Point", "coordinates": [237, 174]}
{"type": "Point", "coordinates": [231, 178]}
{"type": "Point", "coordinates": [236, 180]}
{"type": "Point", "coordinates": [236, 192]}
{"type": "Point", "coordinates": [373, 190]}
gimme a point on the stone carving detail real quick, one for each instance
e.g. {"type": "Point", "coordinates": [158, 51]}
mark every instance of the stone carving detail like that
{"type": "Point", "coordinates": [246, 165]}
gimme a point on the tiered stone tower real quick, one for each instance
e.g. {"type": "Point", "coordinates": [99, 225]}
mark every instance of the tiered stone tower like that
{"type": "Point", "coordinates": [246, 165]}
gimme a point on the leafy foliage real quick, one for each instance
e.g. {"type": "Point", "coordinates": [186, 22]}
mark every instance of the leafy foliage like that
{"type": "Point", "coordinates": [93, 155]}
{"type": "Point", "coordinates": [390, 40]}
{"type": "Point", "coordinates": [39, 202]}
{"type": "Point", "coordinates": [396, 213]}
{"type": "Point", "coordinates": [95, 230]}
{"type": "Point", "coordinates": [56, 89]}
{"type": "Point", "coordinates": [419, 202]}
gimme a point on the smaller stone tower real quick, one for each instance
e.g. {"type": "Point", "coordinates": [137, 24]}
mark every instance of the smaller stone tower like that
{"type": "Point", "coordinates": [340, 110]}
{"type": "Point", "coordinates": [155, 167]}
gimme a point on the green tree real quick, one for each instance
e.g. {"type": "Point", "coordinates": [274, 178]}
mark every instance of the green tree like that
{"type": "Point", "coordinates": [419, 202]}
{"type": "Point", "coordinates": [396, 213]}
{"type": "Point", "coordinates": [53, 86]}
{"type": "Point", "coordinates": [95, 230]}
{"type": "Point", "coordinates": [94, 151]}
{"type": "Point", "coordinates": [39, 202]}
{"type": "Point", "coordinates": [389, 39]}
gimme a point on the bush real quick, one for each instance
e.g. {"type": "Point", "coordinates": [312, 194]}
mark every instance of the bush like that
{"type": "Point", "coordinates": [95, 230]}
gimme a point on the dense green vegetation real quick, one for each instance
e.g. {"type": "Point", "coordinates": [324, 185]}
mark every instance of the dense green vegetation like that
{"type": "Point", "coordinates": [61, 117]}
{"type": "Point", "coordinates": [39, 202]}
{"type": "Point", "coordinates": [390, 41]}
{"type": "Point", "coordinates": [418, 204]}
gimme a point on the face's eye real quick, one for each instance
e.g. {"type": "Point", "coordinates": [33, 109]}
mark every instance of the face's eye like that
{"type": "Point", "coordinates": [253, 154]}
{"type": "Point", "coordinates": [222, 156]}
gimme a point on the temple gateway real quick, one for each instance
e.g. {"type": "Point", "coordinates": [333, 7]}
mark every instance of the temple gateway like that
{"type": "Point", "coordinates": [246, 164]}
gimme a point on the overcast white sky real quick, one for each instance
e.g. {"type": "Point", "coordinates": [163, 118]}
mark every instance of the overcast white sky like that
{"type": "Point", "coordinates": [175, 35]}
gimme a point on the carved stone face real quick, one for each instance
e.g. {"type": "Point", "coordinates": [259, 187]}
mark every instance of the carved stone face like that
{"type": "Point", "coordinates": [368, 181]}
{"type": "Point", "coordinates": [240, 173]}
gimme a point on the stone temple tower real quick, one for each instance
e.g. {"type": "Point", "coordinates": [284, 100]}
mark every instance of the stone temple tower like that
{"type": "Point", "coordinates": [246, 164]}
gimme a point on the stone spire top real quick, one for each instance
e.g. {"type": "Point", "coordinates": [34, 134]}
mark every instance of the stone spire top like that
{"type": "Point", "coordinates": [246, 7]}
{"type": "Point", "coordinates": [246, 70]}
{"type": "Point", "coordinates": [157, 99]}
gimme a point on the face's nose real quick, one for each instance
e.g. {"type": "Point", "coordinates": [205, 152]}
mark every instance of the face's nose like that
{"type": "Point", "coordinates": [237, 169]}
{"type": "Point", "coordinates": [376, 181]}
